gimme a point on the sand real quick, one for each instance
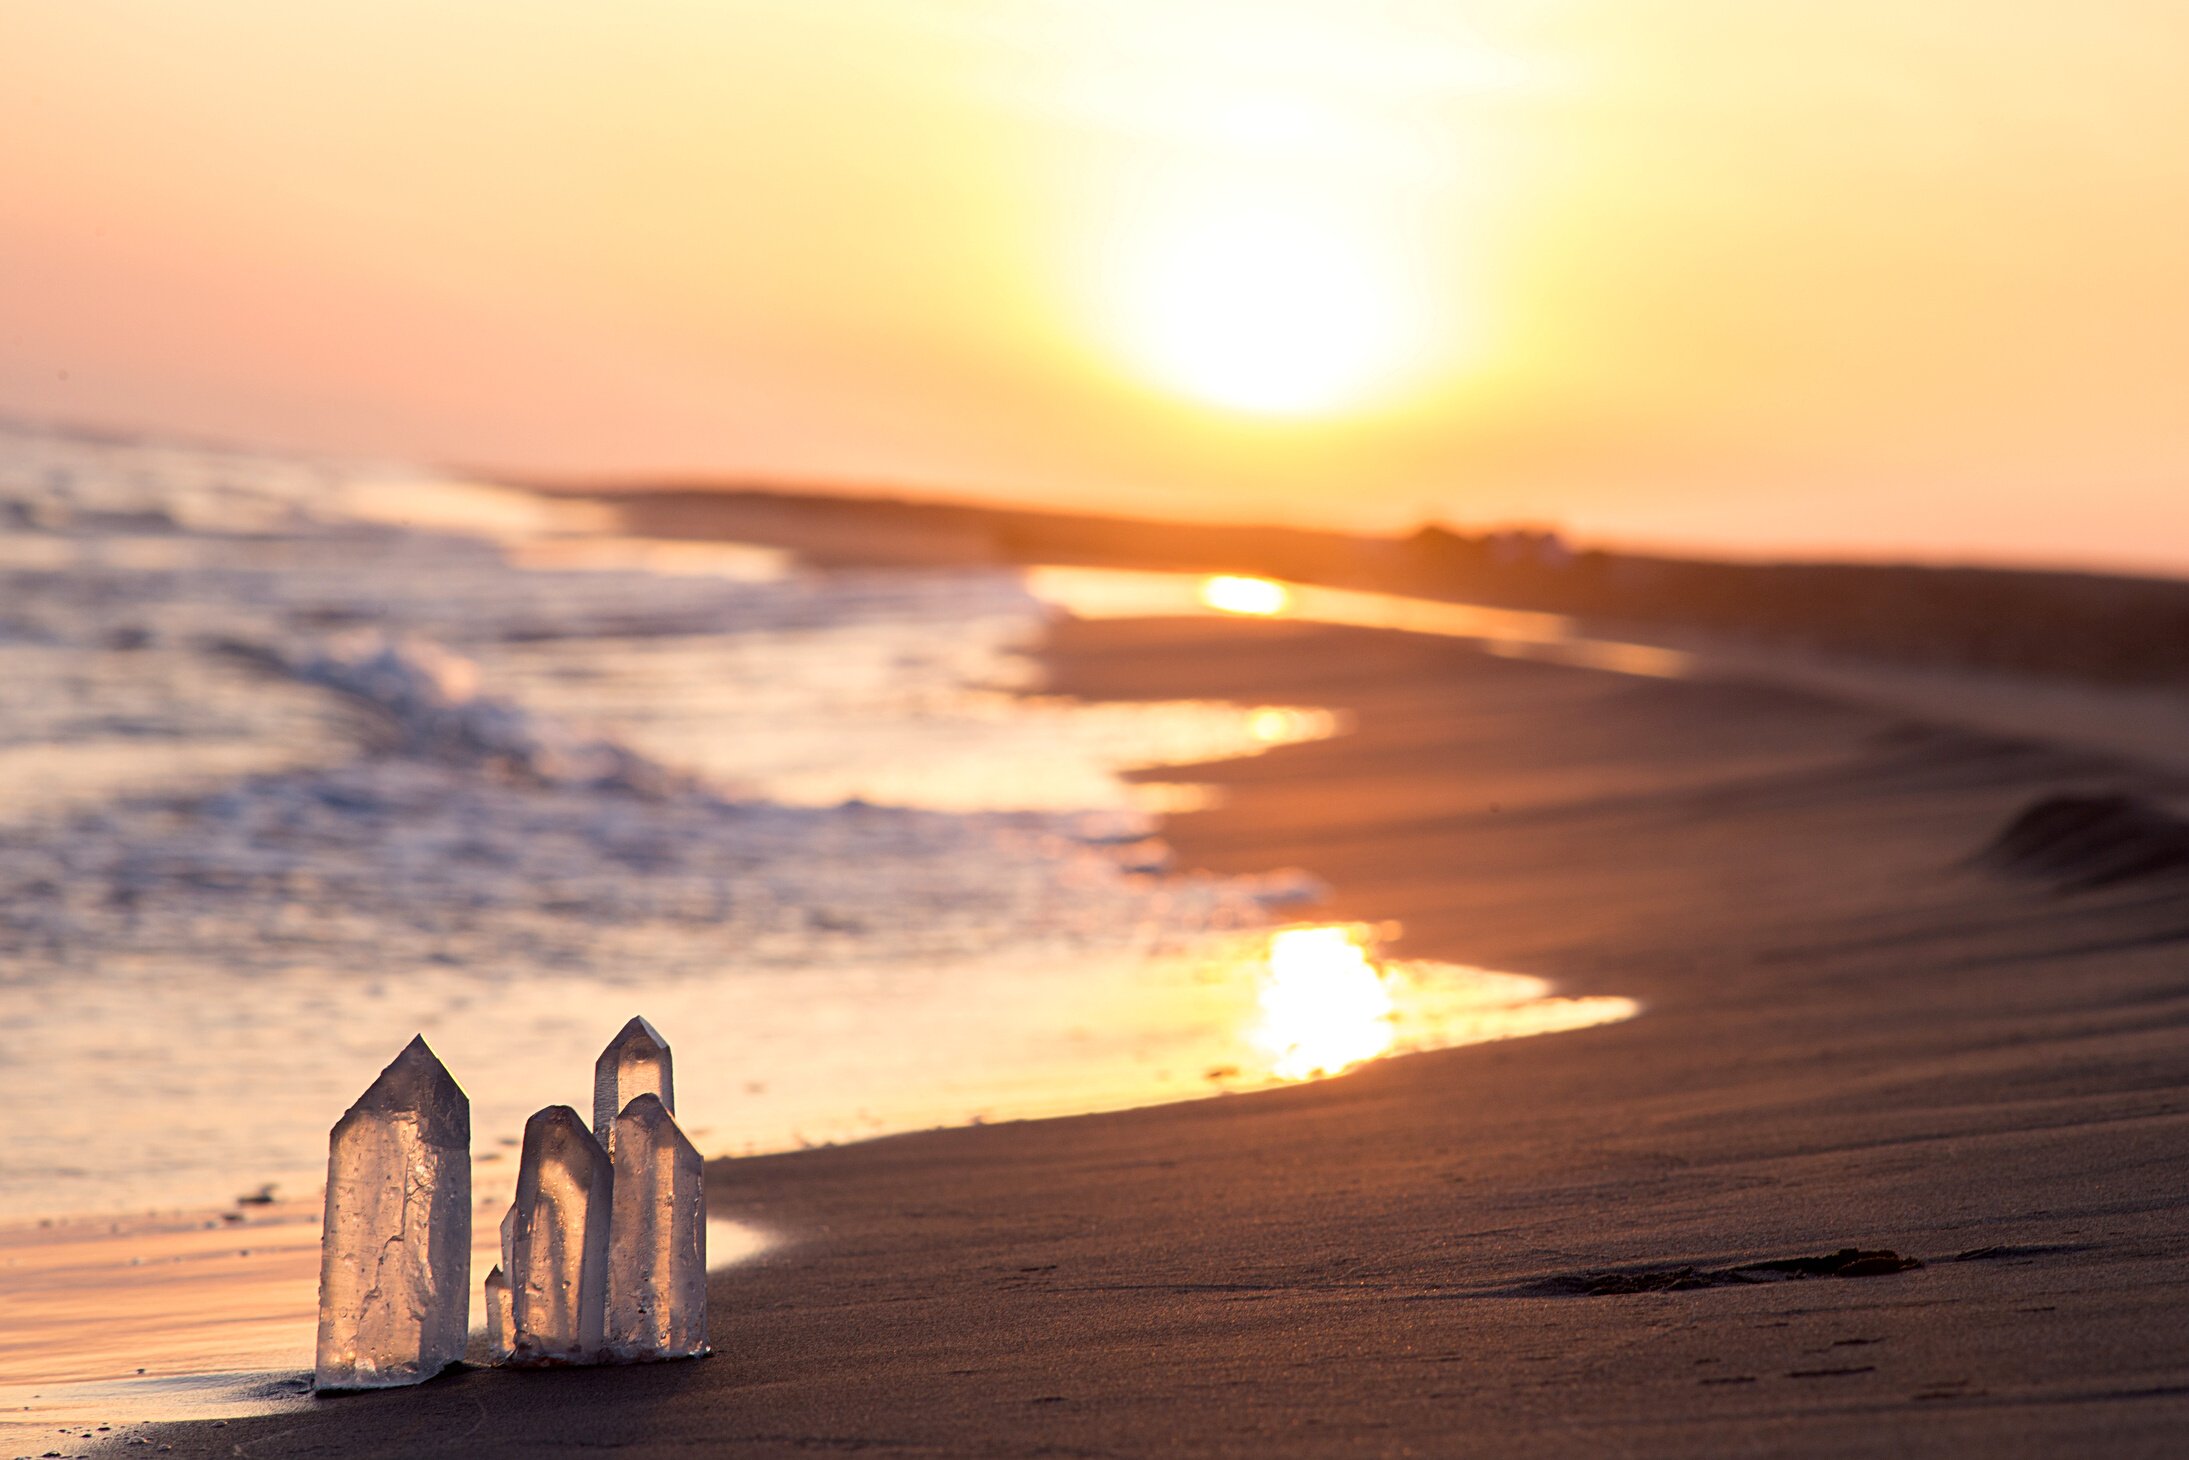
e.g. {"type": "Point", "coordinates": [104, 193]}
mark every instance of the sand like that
{"type": "Point", "coordinates": [1857, 1034]}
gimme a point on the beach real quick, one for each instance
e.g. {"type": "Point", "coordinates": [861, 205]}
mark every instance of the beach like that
{"type": "Point", "coordinates": [1161, 728]}
{"type": "Point", "coordinates": [1857, 1032]}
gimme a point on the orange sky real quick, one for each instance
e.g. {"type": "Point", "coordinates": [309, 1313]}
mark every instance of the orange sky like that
{"type": "Point", "coordinates": [1854, 276]}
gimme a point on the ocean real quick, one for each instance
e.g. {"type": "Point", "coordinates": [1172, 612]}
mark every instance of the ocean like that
{"type": "Point", "coordinates": [302, 757]}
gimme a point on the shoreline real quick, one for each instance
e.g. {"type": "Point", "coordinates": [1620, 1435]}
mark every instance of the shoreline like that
{"type": "Point", "coordinates": [174, 1289]}
{"type": "Point", "coordinates": [1854, 1036]}
{"type": "Point", "coordinates": [87, 1279]}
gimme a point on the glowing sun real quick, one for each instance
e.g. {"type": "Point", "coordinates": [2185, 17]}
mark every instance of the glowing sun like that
{"type": "Point", "coordinates": [1277, 311]}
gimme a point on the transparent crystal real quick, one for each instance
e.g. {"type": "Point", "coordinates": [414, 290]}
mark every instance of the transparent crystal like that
{"type": "Point", "coordinates": [657, 1245]}
{"type": "Point", "coordinates": [558, 1274]}
{"type": "Point", "coordinates": [501, 1323]}
{"type": "Point", "coordinates": [500, 1314]}
{"type": "Point", "coordinates": [395, 1250]}
{"type": "Point", "coordinates": [636, 1062]}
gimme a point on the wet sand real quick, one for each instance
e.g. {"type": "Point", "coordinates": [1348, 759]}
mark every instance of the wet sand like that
{"type": "Point", "coordinates": [1856, 1034]}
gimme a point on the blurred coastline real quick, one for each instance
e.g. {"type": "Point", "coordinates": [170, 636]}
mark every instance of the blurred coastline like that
{"type": "Point", "coordinates": [2105, 628]}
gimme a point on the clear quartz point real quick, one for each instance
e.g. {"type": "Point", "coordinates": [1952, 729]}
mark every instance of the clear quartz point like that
{"type": "Point", "coordinates": [500, 1315]}
{"type": "Point", "coordinates": [657, 1247]}
{"type": "Point", "coordinates": [395, 1249]}
{"type": "Point", "coordinates": [635, 1063]}
{"type": "Point", "coordinates": [558, 1274]}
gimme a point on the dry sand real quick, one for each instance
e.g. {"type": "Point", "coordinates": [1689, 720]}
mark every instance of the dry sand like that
{"type": "Point", "coordinates": [1854, 1036]}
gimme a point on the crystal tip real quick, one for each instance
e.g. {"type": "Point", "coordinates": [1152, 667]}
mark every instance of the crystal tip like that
{"type": "Point", "coordinates": [638, 1031]}
{"type": "Point", "coordinates": [557, 1123]}
{"type": "Point", "coordinates": [415, 1082]}
{"type": "Point", "coordinates": [647, 1109]}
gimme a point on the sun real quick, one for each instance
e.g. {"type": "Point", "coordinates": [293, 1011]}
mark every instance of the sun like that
{"type": "Point", "coordinates": [1272, 310]}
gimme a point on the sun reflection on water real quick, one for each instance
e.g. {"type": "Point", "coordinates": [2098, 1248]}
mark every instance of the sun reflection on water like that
{"type": "Point", "coordinates": [1509, 633]}
{"type": "Point", "coordinates": [1324, 1005]}
{"type": "Point", "coordinates": [1324, 1002]}
{"type": "Point", "coordinates": [1229, 593]}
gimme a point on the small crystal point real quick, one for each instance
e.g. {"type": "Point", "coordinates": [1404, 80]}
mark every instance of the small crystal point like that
{"type": "Point", "coordinates": [635, 1062]}
{"type": "Point", "coordinates": [500, 1315]}
{"type": "Point", "coordinates": [395, 1248]}
{"type": "Point", "coordinates": [558, 1275]}
{"type": "Point", "coordinates": [657, 1258]}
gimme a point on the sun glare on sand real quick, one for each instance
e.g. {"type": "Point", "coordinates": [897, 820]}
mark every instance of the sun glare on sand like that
{"type": "Point", "coordinates": [1324, 1006]}
{"type": "Point", "coordinates": [1230, 594]}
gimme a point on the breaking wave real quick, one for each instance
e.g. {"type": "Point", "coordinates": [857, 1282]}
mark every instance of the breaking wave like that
{"type": "Point", "coordinates": [429, 699]}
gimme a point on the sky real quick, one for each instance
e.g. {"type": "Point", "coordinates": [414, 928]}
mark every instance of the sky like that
{"type": "Point", "coordinates": [1853, 278]}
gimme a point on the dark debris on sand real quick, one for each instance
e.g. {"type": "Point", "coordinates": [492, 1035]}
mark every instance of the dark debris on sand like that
{"type": "Point", "coordinates": [1848, 1262]}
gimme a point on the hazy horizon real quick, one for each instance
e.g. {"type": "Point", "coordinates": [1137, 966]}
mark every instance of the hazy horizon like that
{"type": "Point", "coordinates": [1827, 281]}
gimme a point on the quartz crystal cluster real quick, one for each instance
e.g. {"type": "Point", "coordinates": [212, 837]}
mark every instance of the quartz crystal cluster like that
{"type": "Point", "coordinates": [603, 1253]}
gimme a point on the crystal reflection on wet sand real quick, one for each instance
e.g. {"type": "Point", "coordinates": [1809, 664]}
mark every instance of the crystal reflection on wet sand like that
{"type": "Point", "coordinates": [97, 1302]}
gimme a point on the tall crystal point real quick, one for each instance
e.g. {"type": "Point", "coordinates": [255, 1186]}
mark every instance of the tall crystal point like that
{"type": "Point", "coordinates": [558, 1275]}
{"type": "Point", "coordinates": [395, 1251]}
{"type": "Point", "coordinates": [657, 1244]}
{"type": "Point", "coordinates": [635, 1062]}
